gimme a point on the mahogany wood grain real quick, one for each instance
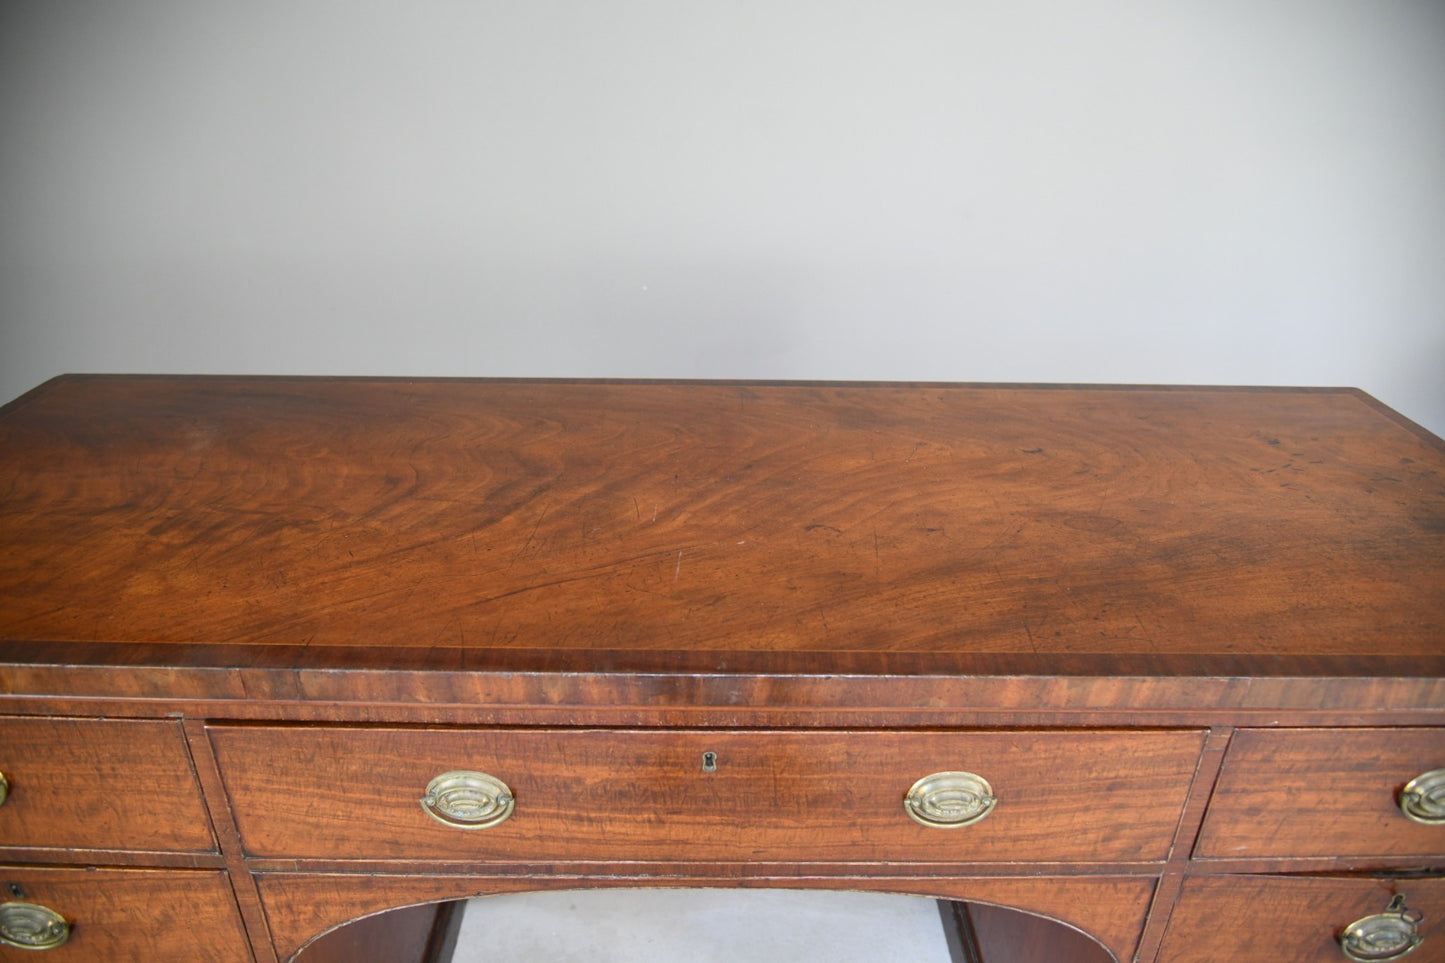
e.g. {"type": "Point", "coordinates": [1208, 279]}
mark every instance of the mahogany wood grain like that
{"type": "Point", "coordinates": [243, 883]}
{"type": "Point", "coordinates": [1258, 919]}
{"type": "Point", "coordinates": [1322, 792]}
{"type": "Point", "coordinates": [1187, 691]}
{"type": "Point", "coordinates": [775, 796]}
{"type": "Point", "coordinates": [341, 587]}
{"type": "Point", "coordinates": [132, 915]}
{"type": "Point", "coordinates": [410, 934]}
{"type": "Point", "coordinates": [301, 905]}
{"type": "Point", "coordinates": [1003, 935]}
{"type": "Point", "coordinates": [1195, 808]}
{"type": "Point", "coordinates": [719, 517]}
{"type": "Point", "coordinates": [89, 784]}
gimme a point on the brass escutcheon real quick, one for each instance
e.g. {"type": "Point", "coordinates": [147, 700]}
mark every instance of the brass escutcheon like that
{"type": "Point", "coordinates": [468, 800]}
{"type": "Point", "coordinates": [1385, 936]}
{"type": "Point", "coordinates": [1423, 798]}
{"type": "Point", "coordinates": [32, 927]}
{"type": "Point", "coordinates": [948, 800]}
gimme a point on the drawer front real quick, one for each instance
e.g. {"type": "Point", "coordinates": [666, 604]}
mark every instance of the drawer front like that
{"type": "Point", "coordinates": [155, 916]}
{"type": "Point", "coordinates": [706, 795]}
{"type": "Point", "coordinates": [1321, 792]}
{"type": "Point", "coordinates": [100, 784]}
{"type": "Point", "coordinates": [1257, 919]}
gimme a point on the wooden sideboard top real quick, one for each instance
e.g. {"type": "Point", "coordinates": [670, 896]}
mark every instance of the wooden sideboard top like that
{"type": "Point", "coordinates": [808, 527]}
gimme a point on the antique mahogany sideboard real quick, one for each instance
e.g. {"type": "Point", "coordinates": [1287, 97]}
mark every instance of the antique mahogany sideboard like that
{"type": "Point", "coordinates": [1164, 664]}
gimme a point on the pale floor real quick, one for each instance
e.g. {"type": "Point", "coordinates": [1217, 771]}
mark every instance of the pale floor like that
{"type": "Point", "coordinates": [702, 926]}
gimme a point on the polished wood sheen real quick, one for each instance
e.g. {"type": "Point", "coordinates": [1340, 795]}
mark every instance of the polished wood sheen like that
{"type": "Point", "coordinates": [131, 915]}
{"type": "Point", "coordinates": [726, 518]}
{"type": "Point", "coordinates": [91, 784]}
{"type": "Point", "coordinates": [413, 934]}
{"type": "Point", "coordinates": [645, 795]}
{"type": "Point", "coordinates": [1264, 920]}
{"type": "Point", "coordinates": [1193, 638]}
{"type": "Point", "coordinates": [1307, 792]}
{"type": "Point", "coordinates": [1001, 935]}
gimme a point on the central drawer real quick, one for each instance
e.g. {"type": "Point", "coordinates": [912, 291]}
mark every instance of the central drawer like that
{"type": "Point", "coordinates": [575, 794]}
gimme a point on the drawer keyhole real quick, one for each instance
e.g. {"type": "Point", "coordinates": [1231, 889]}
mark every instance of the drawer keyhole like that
{"type": "Point", "coordinates": [709, 762]}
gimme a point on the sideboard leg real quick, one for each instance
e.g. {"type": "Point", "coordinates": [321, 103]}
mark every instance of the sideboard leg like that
{"type": "Point", "coordinates": [958, 931]}
{"type": "Point", "coordinates": [445, 929]}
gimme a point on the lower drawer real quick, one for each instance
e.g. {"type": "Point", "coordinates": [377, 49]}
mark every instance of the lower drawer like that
{"type": "Point", "coordinates": [118, 915]}
{"type": "Point", "coordinates": [1259, 919]}
{"type": "Point", "coordinates": [354, 793]}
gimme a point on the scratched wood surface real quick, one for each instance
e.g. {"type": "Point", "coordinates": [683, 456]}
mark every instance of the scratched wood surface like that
{"type": "Point", "coordinates": [719, 517]}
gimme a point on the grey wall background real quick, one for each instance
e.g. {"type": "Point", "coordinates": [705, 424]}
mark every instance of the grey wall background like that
{"type": "Point", "coordinates": [1228, 192]}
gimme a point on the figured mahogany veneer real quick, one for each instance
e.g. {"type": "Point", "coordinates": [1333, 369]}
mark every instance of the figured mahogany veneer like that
{"type": "Point", "coordinates": [1322, 792]}
{"type": "Point", "coordinates": [1193, 638]}
{"type": "Point", "coordinates": [132, 914]}
{"type": "Point", "coordinates": [1254, 919]}
{"type": "Point", "coordinates": [100, 784]}
{"type": "Point", "coordinates": [643, 795]}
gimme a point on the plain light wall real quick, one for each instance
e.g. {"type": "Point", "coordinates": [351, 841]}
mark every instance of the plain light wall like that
{"type": "Point", "coordinates": [1230, 191]}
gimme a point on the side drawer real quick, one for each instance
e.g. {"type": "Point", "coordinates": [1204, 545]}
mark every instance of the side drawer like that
{"type": "Point", "coordinates": [100, 784]}
{"type": "Point", "coordinates": [1269, 919]}
{"type": "Point", "coordinates": [354, 793]}
{"type": "Point", "coordinates": [160, 916]}
{"type": "Point", "coordinates": [1322, 792]}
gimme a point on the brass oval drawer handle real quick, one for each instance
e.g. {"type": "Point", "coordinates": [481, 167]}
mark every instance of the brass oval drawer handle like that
{"type": "Point", "coordinates": [1423, 798]}
{"type": "Point", "coordinates": [468, 800]}
{"type": "Point", "coordinates": [32, 927]}
{"type": "Point", "coordinates": [948, 800]}
{"type": "Point", "coordinates": [1390, 935]}
{"type": "Point", "coordinates": [4, 788]}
